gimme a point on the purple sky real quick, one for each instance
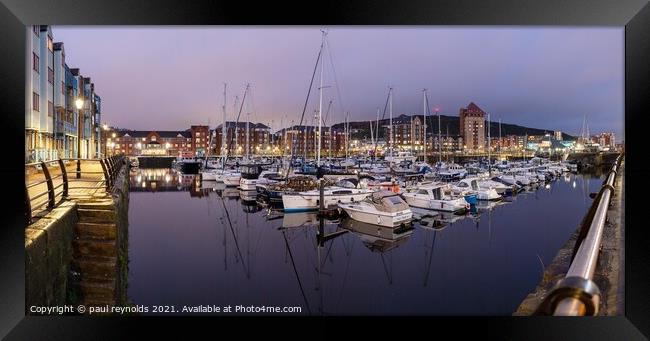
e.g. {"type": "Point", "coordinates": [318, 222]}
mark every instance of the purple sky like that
{"type": "Point", "coordinates": [167, 78]}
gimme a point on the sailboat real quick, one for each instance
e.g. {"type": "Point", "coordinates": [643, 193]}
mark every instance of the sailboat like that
{"type": "Point", "coordinates": [332, 195]}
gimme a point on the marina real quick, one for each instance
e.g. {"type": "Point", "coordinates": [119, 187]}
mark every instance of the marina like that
{"type": "Point", "coordinates": [207, 245]}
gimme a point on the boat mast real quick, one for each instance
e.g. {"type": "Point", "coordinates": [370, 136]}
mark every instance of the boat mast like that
{"type": "Point", "coordinates": [346, 133]}
{"type": "Point", "coordinates": [439, 141]}
{"type": "Point", "coordinates": [424, 109]}
{"type": "Point", "coordinates": [390, 113]}
{"type": "Point", "coordinates": [500, 142]}
{"type": "Point", "coordinates": [489, 162]}
{"type": "Point", "coordinates": [237, 123]}
{"type": "Point", "coordinates": [223, 127]}
{"type": "Point", "coordinates": [320, 101]}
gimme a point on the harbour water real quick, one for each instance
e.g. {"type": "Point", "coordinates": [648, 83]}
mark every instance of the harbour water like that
{"type": "Point", "coordinates": [195, 243]}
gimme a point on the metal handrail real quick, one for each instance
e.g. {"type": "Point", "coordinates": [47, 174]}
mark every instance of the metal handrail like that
{"type": "Point", "coordinates": [106, 181]}
{"type": "Point", "coordinates": [576, 294]}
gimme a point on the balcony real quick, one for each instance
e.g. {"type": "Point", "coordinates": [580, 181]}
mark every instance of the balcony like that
{"type": "Point", "coordinates": [41, 154]}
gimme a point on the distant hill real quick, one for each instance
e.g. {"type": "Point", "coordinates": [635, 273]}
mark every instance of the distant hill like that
{"type": "Point", "coordinates": [449, 125]}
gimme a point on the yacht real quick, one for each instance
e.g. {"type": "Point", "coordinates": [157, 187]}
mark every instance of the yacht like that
{"type": "Point", "coordinates": [482, 193]}
{"type": "Point", "coordinates": [332, 195]}
{"type": "Point", "coordinates": [382, 208]}
{"type": "Point", "coordinates": [452, 172]}
{"type": "Point", "coordinates": [433, 197]}
{"type": "Point", "coordinates": [399, 157]}
{"type": "Point", "coordinates": [273, 191]}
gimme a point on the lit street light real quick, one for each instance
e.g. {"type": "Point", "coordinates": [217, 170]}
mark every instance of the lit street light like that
{"type": "Point", "coordinates": [79, 103]}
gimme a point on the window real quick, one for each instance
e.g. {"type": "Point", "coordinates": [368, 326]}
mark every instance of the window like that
{"type": "Point", "coordinates": [50, 44]}
{"type": "Point", "coordinates": [35, 102]}
{"type": "Point", "coordinates": [50, 108]}
{"type": "Point", "coordinates": [36, 30]}
{"type": "Point", "coordinates": [50, 76]}
{"type": "Point", "coordinates": [35, 59]}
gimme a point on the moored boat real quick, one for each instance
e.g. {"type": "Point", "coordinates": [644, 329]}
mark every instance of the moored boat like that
{"type": "Point", "coordinates": [381, 208]}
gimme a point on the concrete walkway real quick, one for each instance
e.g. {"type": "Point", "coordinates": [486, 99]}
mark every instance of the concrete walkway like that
{"type": "Point", "coordinates": [91, 187]}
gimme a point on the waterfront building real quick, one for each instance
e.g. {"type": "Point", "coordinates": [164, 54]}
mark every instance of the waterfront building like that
{"type": "Point", "coordinates": [151, 143]}
{"type": "Point", "coordinates": [408, 132]}
{"type": "Point", "coordinates": [558, 135]}
{"type": "Point", "coordinates": [472, 128]}
{"type": "Point", "coordinates": [302, 139]}
{"type": "Point", "coordinates": [258, 134]}
{"type": "Point", "coordinates": [200, 139]}
{"type": "Point", "coordinates": [51, 89]}
{"type": "Point", "coordinates": [607, 140]}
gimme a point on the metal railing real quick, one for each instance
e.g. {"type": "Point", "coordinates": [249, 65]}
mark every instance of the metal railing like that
{"type": "Point", "coordinates": [57, 186]}
{"type": "Point", "coordinates": [576, 294]}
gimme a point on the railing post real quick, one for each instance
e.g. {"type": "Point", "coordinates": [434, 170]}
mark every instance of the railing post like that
{"type": "Point", "coordinates": [78, 168]}
{"type": "Point", "coordinates": [109, 170]}
{"type": "Point", "coordinates": [106, 178]}
{"type": "Point", "coordinates": [50, 185]}
{"type": "Point", "coordinates": [28, 208]}
{"type": "Point", "coordinates": [65, 178]}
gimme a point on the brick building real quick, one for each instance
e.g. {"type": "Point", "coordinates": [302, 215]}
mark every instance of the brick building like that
{"type": "Point", "coordinates": [472, 127]}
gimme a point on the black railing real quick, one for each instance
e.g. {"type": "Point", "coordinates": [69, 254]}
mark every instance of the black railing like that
{"type": "Point", "coordinates": [576, 294]}
{"type": "Point", "coordinates": [56, 193]}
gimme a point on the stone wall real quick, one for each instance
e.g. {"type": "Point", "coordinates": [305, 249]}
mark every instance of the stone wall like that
{"type": "Point", "coordinates": [121, 200]}
{"type": "Point", "coordinates": [48, 254]}
{"type": "Point", "coordinates": [78, 252]}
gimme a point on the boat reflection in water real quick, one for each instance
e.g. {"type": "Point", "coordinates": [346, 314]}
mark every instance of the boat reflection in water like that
{"type": "Point", "coordinates": [228, 249]}
{"type": "Point", "coordinates": [378, 238]}
{"type": "Point", "coordinates": [300, 219]}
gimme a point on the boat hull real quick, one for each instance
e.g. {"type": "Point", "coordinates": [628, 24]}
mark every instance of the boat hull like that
{"type": "Point", "coordinates": [455, 206]}
{"type": "Point", "coordinates": [375, 217]}
{"type": "Point", "coordinates": [301, 202]}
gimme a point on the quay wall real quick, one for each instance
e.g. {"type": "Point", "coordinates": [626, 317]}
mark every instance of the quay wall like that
{"type": "Point", "coordinates": [48, 255]}
{"type": "Point", "coordinates": [610, 270]}
{"type": "Point", "coordinates": [155, 161]}
{"type": "Point", "coordinates": [78, 252]}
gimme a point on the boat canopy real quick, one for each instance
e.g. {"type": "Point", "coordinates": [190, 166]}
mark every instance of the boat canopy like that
{"type": "Point", "coordinates": [388, 201]}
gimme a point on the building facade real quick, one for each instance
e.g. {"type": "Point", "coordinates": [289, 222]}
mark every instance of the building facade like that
{"type": "Point", "coordinates": [607, 140]}
{"type": "Point", "coordinates": [301, 140]}
{"type": "Point", "coordinates": [472, 128]}
{"type": "Point", "coordinates": [408, 133]}
{"type": "Point", "coordinates": [51, 89]}
{"type": "Point", "coordinates": [258, 136]}
{"type": "Point", "coordinates": [151, 143]}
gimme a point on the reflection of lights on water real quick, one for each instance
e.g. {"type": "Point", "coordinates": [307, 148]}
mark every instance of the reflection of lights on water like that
{"type": "Point", "coordinates": [144, 184]}
{"type": "Point", "coordinates": [548, 186]}
{"type": "Point", "coordinates": [167, 178]}
{"type": "Point", "coordinates": [574, 184]}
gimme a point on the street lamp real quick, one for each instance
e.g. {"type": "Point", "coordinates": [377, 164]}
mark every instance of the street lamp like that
{"type": "Point", "coordinates": [79, 103]}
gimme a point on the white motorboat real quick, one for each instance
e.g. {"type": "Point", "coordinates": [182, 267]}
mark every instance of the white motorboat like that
{"type": "Point", "coordinates": [452, 171]}
{"type": "Point", "coordinates": [381, 208]}
{"type": "Point", "coordinates": [482, 193]}
{"type": "Point", "coordinates": [265, 178]}
{"type": "Point", "coordinates": [230, 179]}
{"type": "Point", "coordinates": [310, 200]}
{"type": "Point", "coordinates": [399, 157]}
{"type": "Point", "coordinates": [500, 188]}
{"type": "Point", "coordinates": [433, 197]}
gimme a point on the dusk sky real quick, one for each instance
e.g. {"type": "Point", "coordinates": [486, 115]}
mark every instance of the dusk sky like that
{"type": "Point", "coordinates": [167, 78]}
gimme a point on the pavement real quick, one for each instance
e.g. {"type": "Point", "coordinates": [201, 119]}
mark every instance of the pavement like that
{"type": "Point", "coordinates": [89, 185]}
